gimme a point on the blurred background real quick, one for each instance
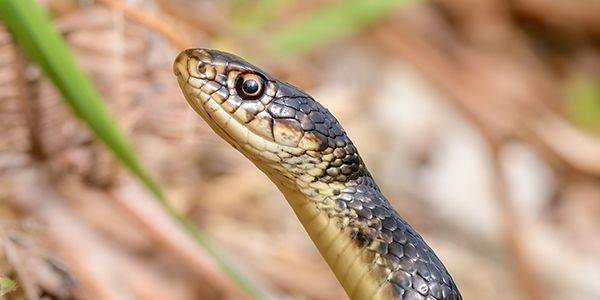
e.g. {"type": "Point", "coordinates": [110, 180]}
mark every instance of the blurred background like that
{"type": "Point", "coordinates": [479, 119]}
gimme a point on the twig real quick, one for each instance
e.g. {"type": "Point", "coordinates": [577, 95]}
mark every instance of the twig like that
{"type": "Point", "coordinates": [176, 38]}
{"type": "Point", "coordinates": [494, 126]}
{"type": "Point", "coordinates": [27, 107]}
{"type": "Point", "coordinates": [514, 114]}
{"type": "Point", "coordinates": [155, 222]}
{"type": "Point", "coordinates": [575, 15]}
{"type": "Point", "coordinates": [13, 257]}
{"type": "Point", "coordinates": [512, 228]}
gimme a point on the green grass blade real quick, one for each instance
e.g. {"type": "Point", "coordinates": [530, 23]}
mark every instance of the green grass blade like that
{"type": "Point", "coordinates": [582, 95]}
{"type": "Point", "coordinates": [332, 22]}
{"type": "Point", "coordinates": [34, 32]}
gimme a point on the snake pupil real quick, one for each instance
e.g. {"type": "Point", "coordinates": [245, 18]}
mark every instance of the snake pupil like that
{"type": "Point", "coordinates": [250, 86]}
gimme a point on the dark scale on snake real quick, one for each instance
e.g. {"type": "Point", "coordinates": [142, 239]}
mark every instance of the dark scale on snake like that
{"type": "Point", "coordinates": [299, 144]}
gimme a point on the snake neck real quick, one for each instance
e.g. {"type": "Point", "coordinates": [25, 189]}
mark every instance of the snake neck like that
{"type": "Point", "coordinates": [339, 237]}
{"type": "Point", "coordinates": [372, 251]}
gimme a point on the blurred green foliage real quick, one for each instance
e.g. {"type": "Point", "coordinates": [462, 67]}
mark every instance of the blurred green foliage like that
{"type": "Point", "coordinates": [7, 286]}
{"type": "Point", "coordinates": [250, 16]}
{"type": "Point", "coordinates": [331, 23]}
{"type": "Point", "coordinates": [582, 95]}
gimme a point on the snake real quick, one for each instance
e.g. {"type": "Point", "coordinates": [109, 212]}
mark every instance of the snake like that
{"type": "Point", "coordinates": [301, 147]}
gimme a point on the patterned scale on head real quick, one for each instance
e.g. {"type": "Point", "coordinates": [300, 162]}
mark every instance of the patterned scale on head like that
{"type": "Point", "coordinates": [306, 153]}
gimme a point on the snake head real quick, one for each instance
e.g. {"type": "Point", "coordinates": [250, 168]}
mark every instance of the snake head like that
{"type": "Point", "coordinates": [271, 122]}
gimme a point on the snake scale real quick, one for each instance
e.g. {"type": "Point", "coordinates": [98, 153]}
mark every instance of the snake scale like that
{"type": "Point", "coordinates": [301, 147]}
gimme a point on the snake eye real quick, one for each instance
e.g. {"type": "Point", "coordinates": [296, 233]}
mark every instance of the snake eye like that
{"type": "Point", "coordinates": [250, 86]}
